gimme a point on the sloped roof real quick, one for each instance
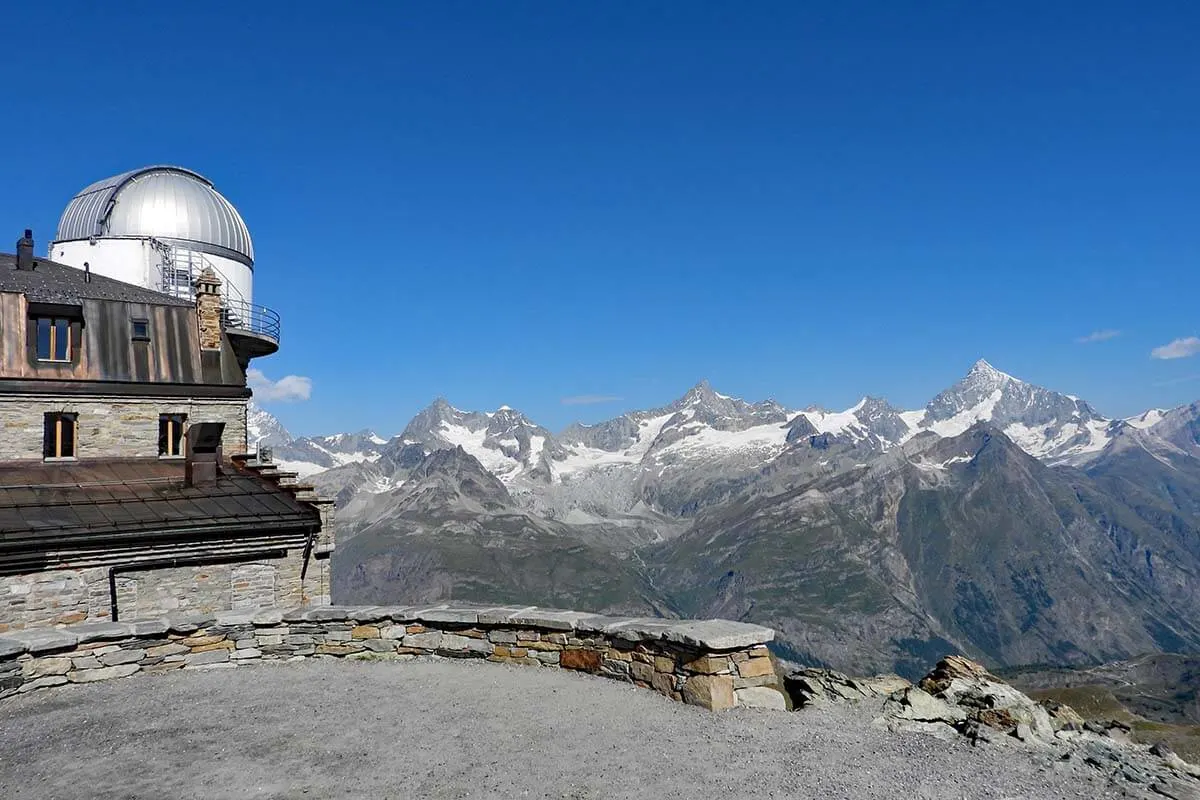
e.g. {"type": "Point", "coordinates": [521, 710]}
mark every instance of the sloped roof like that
{"type": "Point", "coordinates": [50, 282]}
{"type": "Point", "coordinates": [78, 503]}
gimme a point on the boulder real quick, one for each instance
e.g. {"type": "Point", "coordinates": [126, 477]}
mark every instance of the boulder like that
{"type": "Point", "coordinates": [812, 686]}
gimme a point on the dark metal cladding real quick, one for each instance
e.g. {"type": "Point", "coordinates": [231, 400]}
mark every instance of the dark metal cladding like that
{"type": "Point", "coordinates": [102, 311]}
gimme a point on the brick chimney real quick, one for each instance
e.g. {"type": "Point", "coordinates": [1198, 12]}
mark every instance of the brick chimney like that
{"type": "Point", "coordinates": [208, 309]}
{"type": "Point", "coordinates": [203, 454]}
{"type": "Point", "coordinates": [25, 251]}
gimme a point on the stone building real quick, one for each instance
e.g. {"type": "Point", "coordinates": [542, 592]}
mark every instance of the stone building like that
{"type": "Point", "coordinates": [126, 485]}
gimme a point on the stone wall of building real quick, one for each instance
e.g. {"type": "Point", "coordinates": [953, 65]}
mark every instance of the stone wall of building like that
{"type": "Point", "coordinates": [713, 664]}
{"type": "Point", "coordinates": [112, 427]}
{"type": "Point", "coordinates": [67, 596]}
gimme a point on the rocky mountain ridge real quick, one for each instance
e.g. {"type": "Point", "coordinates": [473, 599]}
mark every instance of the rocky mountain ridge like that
{"type": "Point", "coordinates": [1003, 520]}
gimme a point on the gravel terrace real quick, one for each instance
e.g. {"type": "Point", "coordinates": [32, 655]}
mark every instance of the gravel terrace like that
{"type": "Point", "coordinates": [450, 729]}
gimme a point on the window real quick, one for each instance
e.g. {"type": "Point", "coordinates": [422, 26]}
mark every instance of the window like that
{"type": "Point", "coordinates": [53, 339]}
{"type": "Point", "coordinates": [141, 330]}
{"type": "Point", "coordinates": [59, 435]}
{"type": "Point", "coordinates": [170, 434]}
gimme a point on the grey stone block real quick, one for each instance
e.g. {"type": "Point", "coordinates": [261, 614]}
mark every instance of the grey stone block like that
{"type": "Point", "coordinates": [102, 674]}
{"type": "Point", "coordinates": [595, 623]}
{"type": "Point", "coordinates": [40, 667]}
{"type": "Point", "coordinates": [547, 619]}
{"type": "Point", "coordinates": [122, 657]}
{"type": "Point", "coordinates": [189, 623]}
{"type": "Point", "coordinates": [294, 614]}
{"type": "Point", "coordinates": [381, 613]}
{"type": "Point", "coordinates": [500, 615]}
{"type": "Point", "coordinates": [329, 614]}
{"type": "Point", "coordinates": [101, 631]}
{"type": "Point", "coordinates": [246, 653]}
{"type": "Point", "coordinates": [761, 697]}
{"type": "Point", "coordinates": [638, 629]}
{"type": "Point", "coordinates": [464, 644]}
{"type": "Point", "coordinates": [266, 617]}
{"type": "Point", "coordinates": [44, 640]}
{"type": "Point", "coordinates": [39, 683]}
{"type": "Point", "coordinates": [207, 657]}
{"type": "Point", "coordinates": [502, 637]}
{"type": "Point", "coordinates": [11, 647]}
{"type": "Point", "coordinates": [430, 640]}
{"type": "Point", "coordinates": [718, 634]}
{"type": "Point", "coordinates": [379, 645]}
{"type": "Point", "coordinates": [235, 618]}
{"type": "Point", "coordinates": [85, 662]}
{"type": "Point", "coordinates": [458, 616]}
{"type": "Point", "coordinates": [148, 627]}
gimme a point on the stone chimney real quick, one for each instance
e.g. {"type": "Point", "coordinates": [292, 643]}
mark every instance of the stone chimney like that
{"type": "Point", "coordinates": [25, 251]}
{"type": "Point", "coordinates": [208, 309]}
{"type": "Point", "coordinates": [202, 456]}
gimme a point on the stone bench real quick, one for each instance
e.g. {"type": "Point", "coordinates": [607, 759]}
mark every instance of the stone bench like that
{"type": "Point", "coordinates": [714, 664]}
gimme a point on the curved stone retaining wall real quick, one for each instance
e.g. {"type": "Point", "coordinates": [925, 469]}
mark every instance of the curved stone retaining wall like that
{"type": "Point", "coordinates": [714, 664]}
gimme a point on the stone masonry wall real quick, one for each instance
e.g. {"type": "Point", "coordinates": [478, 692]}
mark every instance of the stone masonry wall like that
{"type": "Point", "coordinates": [67, 596]}
{"type": "Point", "coordinates": [713, 664]}
{"type": "Point", "coordinates": [112, 427]}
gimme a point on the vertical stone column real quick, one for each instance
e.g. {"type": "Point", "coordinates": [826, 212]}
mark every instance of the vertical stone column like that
{"type": "Point", "coordinates": [208, 309]}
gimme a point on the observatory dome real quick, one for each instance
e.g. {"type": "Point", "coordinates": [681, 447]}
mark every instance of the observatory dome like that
{"type": "Point", "coordinates": [170, 204]}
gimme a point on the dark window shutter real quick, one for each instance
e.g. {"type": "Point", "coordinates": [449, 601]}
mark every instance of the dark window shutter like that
{"type": "Point", "coordinates": [68, 435]}
{"type": "Point", "coordinates": [162, 435]}
{"type": "Point", "coordinates": [48, 435]}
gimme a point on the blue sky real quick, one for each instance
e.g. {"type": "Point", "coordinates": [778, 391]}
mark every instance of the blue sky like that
{"type": "Point", "coordinates": [516, 203]}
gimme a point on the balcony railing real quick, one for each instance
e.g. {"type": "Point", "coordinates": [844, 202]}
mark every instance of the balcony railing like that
{"type": "Point", "coordinates": [240, 315]}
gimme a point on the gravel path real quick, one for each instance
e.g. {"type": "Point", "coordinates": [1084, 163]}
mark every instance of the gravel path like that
{"type": "Point", "coordinates": [444, 729]}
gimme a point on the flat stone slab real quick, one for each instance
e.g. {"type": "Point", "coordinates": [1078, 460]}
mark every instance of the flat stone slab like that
{"type": "Point", "coordinates": [551, 619]}
{"type": "Point", "coordinates": [101, 631]}
{"type": "Point", "coordinates": [44, 640]}
{"type": "Point", "coordinates": [148, 627]}
{"type": "Point", "coordinates": [188, 623]}
{"type": "Point", "coordinates": [718, 634]}
{"type": "Point", "coordinates": [322, 614]}
{"type": "Point", "coordinates": [380, 613]}
{"type": "Point", "coordinates": [455, 615]}
{"type": "Point", "coordinates": [11, 647]}
{"type": "Point", "coordinates": [645, 629]}
{"type": "Point", "coordinates": [234, 618]}
{"type": "Point", "coordinates": [500, 615]}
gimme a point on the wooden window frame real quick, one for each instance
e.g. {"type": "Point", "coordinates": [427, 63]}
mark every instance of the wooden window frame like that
{"type": "Point", "coordinates": [70, 350]}
{"type": "Point", "coordinates": [171, 428]}
{"type": "Point", "coordinates": [134, 323]}
{"type": "Point", "coordinates": [54, 424]}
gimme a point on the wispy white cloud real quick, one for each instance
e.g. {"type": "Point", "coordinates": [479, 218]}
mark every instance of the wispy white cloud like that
{"type": "Point", "coordinates": [589, 399]}
{"type": "Point", "coordinates": [1099, 336]}
{"type": "Point", "coordinates": [1180, 348]}
{"type": "Point", "coordinates": [288, 389]}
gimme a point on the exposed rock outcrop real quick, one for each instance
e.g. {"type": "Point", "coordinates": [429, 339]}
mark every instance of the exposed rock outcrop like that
{"type": "Point", "coordinates": [960, 698]}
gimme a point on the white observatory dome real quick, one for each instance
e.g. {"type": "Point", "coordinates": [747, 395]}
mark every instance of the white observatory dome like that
{"type": "Point", "coordinates": [172, 204]}
{"type": "Point", "coordinates": [159, 227]}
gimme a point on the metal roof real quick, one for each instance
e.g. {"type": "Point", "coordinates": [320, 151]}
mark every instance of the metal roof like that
{"type": "Point", "coordinates": [49, 282]}
{"type": "Point", "coordinates": [172, 204]}
{"type": "Point", "coordinates": [87, 501]}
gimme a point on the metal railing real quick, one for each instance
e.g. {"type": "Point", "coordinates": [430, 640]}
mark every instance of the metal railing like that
{"type": "Point", "coordinates": [240, 315]}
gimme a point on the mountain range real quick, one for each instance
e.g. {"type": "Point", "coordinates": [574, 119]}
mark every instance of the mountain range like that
{"type": "Point", "coordinates": [1003, 520]}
